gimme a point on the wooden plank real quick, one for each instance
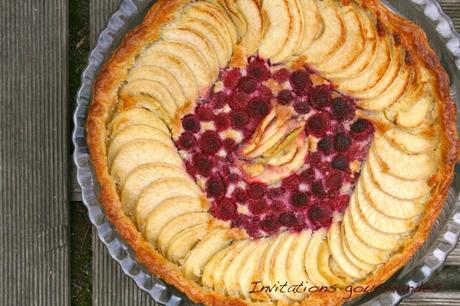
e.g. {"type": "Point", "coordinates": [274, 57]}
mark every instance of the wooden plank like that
{"type": "Point", "coordinates": [111, 287]}
{"type": "Point", "coordinates": [34, 136]}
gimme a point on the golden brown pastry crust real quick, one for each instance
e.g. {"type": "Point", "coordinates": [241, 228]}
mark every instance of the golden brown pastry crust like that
{"type": "Point", "coordinates": [103, 103]}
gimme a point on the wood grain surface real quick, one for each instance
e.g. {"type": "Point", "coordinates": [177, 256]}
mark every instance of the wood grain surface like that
{"type": "Point", "coordinates": [112, 288]}
{"type": "Point", "coordinates": [34, 153]}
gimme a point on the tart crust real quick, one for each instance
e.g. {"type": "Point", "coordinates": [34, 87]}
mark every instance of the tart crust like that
{"type": "Point", "coordinates": [105, 97]}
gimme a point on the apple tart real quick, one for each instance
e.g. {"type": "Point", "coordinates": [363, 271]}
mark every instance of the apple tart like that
{"type": "Point", "coordinates": [273, 151]}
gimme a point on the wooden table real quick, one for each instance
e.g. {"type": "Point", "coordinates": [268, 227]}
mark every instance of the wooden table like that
{"type": "Point", "coordinates": [43, 226]}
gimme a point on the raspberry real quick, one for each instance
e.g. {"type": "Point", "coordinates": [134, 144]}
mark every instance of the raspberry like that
{"type": "Point", "coordinates": [187, 141]}
{"type": "Point", "coordinates": [281, 75]}
{"type": "Point", "coordinates": [317, 124]}
{"type": "Point", "coordinates": [340, 162]}
{"type": "Point", "coordinates": [229, 144]}
{"type": "Point", "coordinates": [219, 100]}
{"type": "Point", "coordinates": [320, 216]}
{"type": "Point", "coordinates": [299, 199]}
{"type": "Point", "coordinates": [239, 119]}
{"type": "Point", "coordinates": [288, 219]}
{"type": "Point", "coordinates": [247, 84]}
{"type": "Point", "coordinates": [226, 210]}
{"type": "Point", "coordinates": [233, 177]}
{"type": "Point", "coordinates": [258, 107]}
{"type": "Point", "coordinates": [238, 101]}
{"type": "Point", "coordinates": [258, 207]}
{"type": "Point", "coordinates": [334, 181]}
{"type": "Point", "coordinates": [291, 182]}
{"type": "Point", "coordinates": [256, 190]}
{"type": "Point", "coordinates": [270, 224]}
{"type": "Point", "coordinates": [301, 107]}
{"type": "Point", "coordinates": [277, 206]}
{"type": "Point", "coordinates": [222, 122]}
{"type": "Point", "coordinates": [215, 187]}
{"type": "Point", "coordinates": [190, 123]}
{"type": "Point", "coordinates": [361, 129]}
{"type": "Point", "coordinates": [308, 175]}
{"type": "Point", "coordinates": [342, 109]}
{"type": "Point", "coordinates": [258, 70]}
{"type": "Point", "coordinates": [320, 96]}
{"type": "Point", "coordinates": [299, 79]}
{"type": "Point", "coordinates": [204, 113]}
{"type": "Point", "coordinates": [325, 145]}
{"type": "Point", "coordinates": [285, 96]}
{"type": "Point", "coordinates": [342, 142]}
{"type": "Point", "coordinates": [202, 163]}
{"type": "Point", "coordinates": [276, 192]}
{"type": "Point", "coordinates": [317, 189]}
{"type": "Point", "coordinates": [264, 92]}
{"type": "Point", "coordinates": [231, 77]}
{"type": "Point", "coordinates": [240, 195]}
{"type": "Point", "coordinates": [210, 142]}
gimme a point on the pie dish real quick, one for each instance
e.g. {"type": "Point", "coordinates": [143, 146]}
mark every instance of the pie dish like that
{"type": "Point", "coordinates": [365, 108]}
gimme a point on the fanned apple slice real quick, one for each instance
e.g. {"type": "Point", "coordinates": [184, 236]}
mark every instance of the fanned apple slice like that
{"type": "Point", "coordinates": [380, 221]}
{"type": "Point", "coordinates": [364, 266]}
{"type": "Point", "coordinates": [162, 76]}
{"type": "Point", "coordinates": [295, 33]}
{"type": "Point", "coordinates": [414, 92]}
{"type": "Point", "coordinates": [212, 35]}
{"type": "Point", "coordinates": [366, 56]}
{"type": "Point", "coordinates": [202, 12]}
{"type": "Point", "coordinates": [231, 281]}
{"type": "Point", "coordinates": [312, 24]}
{"type": "Point", "coordinates": [132, 133]}
{"type": "Point", "coordinates": [353, 46]}
{"type": "Point", "coordinates": [179, 224]}
{"type": "Point", "coordinates": [143, 176]}
{"type": "Point", "coordinates": [136, 116]}
{"type": "Point", "coordinates": [295, 267]}
{"type": "Point", "coordinates": [161, 190]}
{"type": "Point", "coordinates": [153, 89]}
{"type": "Point", "coordinates": [181, 244]}
{"type": "Point", "coordinates": [249, 269]}
{"type": "Point", "coordinates": [279, 26]}
{"type": "Point", "coordinates": [411, 142]}
{"type": "Point", "coordinates": [400, 164]}
{"type": "Point", "coordinates": [139, 152]}
{"type": "Point", "coordinates": [361, 249]}
{"type": "Point", "coordinates": [187, 54]}
{"type": "Point", "coordinates": [198, 41]}
{"type": "Point", "coordinates": [394, 186]}
{"type": "Point", "coordinates": [332, 37]}
{"type": "Point", "coordinates": [144, 102]}
{"type": "Point", "coordinates": [334, 237]}
{"type": "Point", "coordinates": [416, 114]}
{"type": "Point", "coordinates": [375, 238]}
{"type": "Point", "coordinates": [237, 17]}
{"type": "Point", "coordinates": [252, 13]}
{"type": "Point", "coordinates": [168, 210]}
{"type": "Point", "coordinates": [311, 258]}
{"type": "Point", "coordinates": [324, 259]}
{"type": "Point", "coordinates": [370, 76]}
{"type": "Point", "coordinates": [200, 255]}
{"type": "Point", "coordinates": [214, 269]}
{"type": "Point", "coordinates": [386, 204]}
{"type": "Point", "coordinates": [177, 68]}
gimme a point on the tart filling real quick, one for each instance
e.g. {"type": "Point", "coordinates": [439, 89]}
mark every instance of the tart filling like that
{"type": "Point", "coordinates": [274, 147]}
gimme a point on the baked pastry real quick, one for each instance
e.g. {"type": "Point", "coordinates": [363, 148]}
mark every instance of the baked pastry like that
{"type": "Point", "coordinates": [273, 152]}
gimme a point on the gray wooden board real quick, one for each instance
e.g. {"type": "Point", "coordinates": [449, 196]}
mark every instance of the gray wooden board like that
{"type": "Point", "coordinates": [111, 287]}
{"type": "Point", "coordinates": [34, 136]}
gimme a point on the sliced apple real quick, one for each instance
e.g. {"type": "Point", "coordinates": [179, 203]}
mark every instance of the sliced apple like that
{"type": "Point", "coordinates": [311, 258]}
{"type": "Point", "coordinates": [279, 26]}
{"type": "Point", "coordinates": [295, 32]}
{"type": "Point", "coordinates": [334, 237]}
{"type": "Point", "coordinates": [152, 89]}
{"type": "Point", "coordinates": [168, 210]}
{"type": "Point", "coordinates": [361, 249]}
{"type": "Point", "coordinates": [237, 16]}
{"type": "Point", "coordinates": [400, 164]}
{"type": "Point", "coordinates": [386, 204]}
{"type": "Point", "coordinates": [181, 244]}
{"type": "Point", "coordinates": [160, 75]}
{"type": "Point", "coordinates": [214, 269]}
{"type": "Point", "coordinates": [411, 142]}
{"type": "Point", "coordinates": [252, 13]}
{"type": "Point", "coordinates": [200, 255]}
{"type": "Point", "coordinates": [161, 190]}
{"type": "Point", "coordinates": [416, 114]}
{"type": "Point", "coordinates": [232, 286]}
{"type": "Point", "coordinates": [332, 37]}
{"type": "Point", "coordinates": [179, 224]}
{"type": "Point", "coordinates": [144, 102]}
{"type": "Point", "coordinates": [132, 133]}
{"type": "Point", "coordinates": [177, 68]}
{"type": "Point", "coordinates": [295, 266]}
{"type": "Point", "coordinates": [324, 260]}
{"type": "Point", "coordinates": [139, 152]}
{"type": "Point", "coordinates": [375, 238]}
{"type": "Point", "coordinates": [362, 265]}
{"type": "Point", "coordinates": [379, 221]}
{"type": "Point", "coordinates": [312, 24]}
{"type": "Point", "coordinates": [136, 116]}
{"type": "Point", "coordinates": [353, 46]}
{"type": "Point", "coordinates": [394, 186]}
{"type": "Point", "coordinates": [198, 41]}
